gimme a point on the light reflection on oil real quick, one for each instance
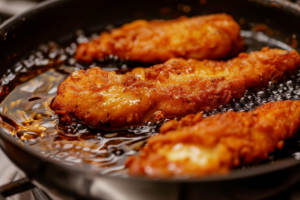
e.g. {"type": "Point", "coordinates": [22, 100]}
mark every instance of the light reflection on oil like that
{"type": "Point", "coordinates": [37, 125]}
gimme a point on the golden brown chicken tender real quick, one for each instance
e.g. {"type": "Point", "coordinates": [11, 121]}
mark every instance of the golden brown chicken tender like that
{"type": "Point", "coordinates": [211, 37]}
{"type": "Point", "coordinates": [214, 145]}
{"type": "Point", "coordinates": [176, 88]}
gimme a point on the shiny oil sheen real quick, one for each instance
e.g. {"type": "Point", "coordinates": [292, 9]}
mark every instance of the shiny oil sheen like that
{"type": "Point", "coordinates": [28, 90]}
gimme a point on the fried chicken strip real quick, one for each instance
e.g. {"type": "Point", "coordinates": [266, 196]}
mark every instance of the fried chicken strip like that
{"type": "Point", "coordinates": [214, 145]}
{"type": "Point", "coordinates": [176, 88]}
{"type": "Point", "coordinates": [211, 37]}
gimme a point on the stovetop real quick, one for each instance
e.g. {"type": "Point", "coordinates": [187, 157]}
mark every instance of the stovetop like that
{"type": "Point", "coordinates": [9, 172]}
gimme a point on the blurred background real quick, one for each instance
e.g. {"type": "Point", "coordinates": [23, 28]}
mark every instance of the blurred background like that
{"type": "Point", "coordinates": [9, 8]}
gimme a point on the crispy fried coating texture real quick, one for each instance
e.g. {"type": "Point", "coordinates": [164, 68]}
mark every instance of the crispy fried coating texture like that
{"type": "Point", "coordinates": [176, 88]}
{"type": "Point", "coordinates": [196, 147]}
{"type": "Point", "coordinates": [211, 37]}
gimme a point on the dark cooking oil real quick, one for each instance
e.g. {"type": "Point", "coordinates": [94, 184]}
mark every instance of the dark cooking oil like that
{"type": "Point", "coordinates": [29, 87]}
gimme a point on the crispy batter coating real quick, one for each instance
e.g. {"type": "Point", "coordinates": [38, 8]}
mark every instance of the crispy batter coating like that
{"type": "Point", "coordinates": [214, 145]}
{"type": "Point", "coordinates": [176, 88]}
{"type": "Point", "coordinates": [211, 37]}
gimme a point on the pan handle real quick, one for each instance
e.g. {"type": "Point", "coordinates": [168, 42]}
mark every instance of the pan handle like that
{"type": "Point", "coordinates": [15, 187]}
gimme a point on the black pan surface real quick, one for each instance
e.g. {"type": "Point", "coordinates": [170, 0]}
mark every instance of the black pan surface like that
{"type": "Point", "coordinates": [59, 20]}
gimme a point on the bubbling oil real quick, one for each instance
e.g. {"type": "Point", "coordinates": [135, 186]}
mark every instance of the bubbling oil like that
{"type": "Point", "coordinates": [28, 89]}
{"type": "Point", "coordinates": [38, 126]}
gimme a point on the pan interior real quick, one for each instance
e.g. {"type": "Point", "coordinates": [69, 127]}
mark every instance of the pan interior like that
{"type": "Point", "coordinates": [29, 118]}
{"type": "Point", "coordinates": [30, 87]}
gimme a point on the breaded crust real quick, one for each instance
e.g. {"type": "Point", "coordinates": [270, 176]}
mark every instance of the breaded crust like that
{"type": "Point", "coordinates": [176, 88]}
{"type": "Point", "coordinates": [203, 37]}
{"type": "Point", "coordinates": [214, 145]}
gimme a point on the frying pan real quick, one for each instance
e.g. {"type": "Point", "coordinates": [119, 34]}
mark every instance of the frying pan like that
{"type": "Point", "coordinates": [59, 20]}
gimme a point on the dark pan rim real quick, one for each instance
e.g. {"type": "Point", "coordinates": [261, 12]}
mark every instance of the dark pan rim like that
{"type": "Point", "coordinates": [233, 175]}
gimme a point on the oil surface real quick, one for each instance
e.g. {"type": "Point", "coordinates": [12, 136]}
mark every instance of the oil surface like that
{"type": "Point", "coordinates": [31, 85]}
